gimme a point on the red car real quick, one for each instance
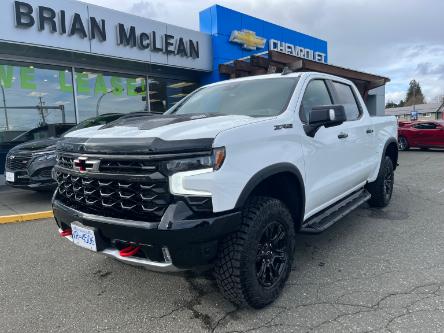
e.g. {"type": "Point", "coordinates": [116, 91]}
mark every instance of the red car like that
{"type": "Point", "coordinates": [421, 134]}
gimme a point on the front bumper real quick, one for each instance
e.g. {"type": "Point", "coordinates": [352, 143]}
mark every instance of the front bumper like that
{"type": "Point", "coordinates": [39, 180]}
{"type": "Point", "coordinates": [191, 242]}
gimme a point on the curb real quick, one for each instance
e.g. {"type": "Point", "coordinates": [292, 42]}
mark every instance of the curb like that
{"type": "Point", "coordinates": [19, 218]}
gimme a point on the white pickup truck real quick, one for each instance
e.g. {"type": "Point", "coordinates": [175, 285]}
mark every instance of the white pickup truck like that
{"type": "Point", "coordinates": [226, 178]}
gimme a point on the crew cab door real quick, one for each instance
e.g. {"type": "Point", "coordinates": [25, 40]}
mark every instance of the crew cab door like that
{"type": "Point", "coordinates": [336, 158]}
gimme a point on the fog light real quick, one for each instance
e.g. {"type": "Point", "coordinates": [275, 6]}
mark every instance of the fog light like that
{"type": "Point", "coordinates": [166, 254]}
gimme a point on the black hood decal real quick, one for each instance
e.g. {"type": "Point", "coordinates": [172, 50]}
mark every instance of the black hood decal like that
{"type": "Point", "coordinates": [148, 121]}
{"type": "Point", "coordinates": [133, 146]}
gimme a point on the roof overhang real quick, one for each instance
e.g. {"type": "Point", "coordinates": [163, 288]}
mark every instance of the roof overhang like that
{"type": "Point", "coordinates": [277, 61]}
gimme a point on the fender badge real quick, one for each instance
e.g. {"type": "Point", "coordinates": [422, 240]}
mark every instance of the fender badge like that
{"type": "Point", "coordinates": [283, 126]}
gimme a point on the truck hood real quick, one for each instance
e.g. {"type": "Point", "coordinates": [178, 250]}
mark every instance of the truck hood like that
{"type": "Point", "coordinates": [165, 127]}
{"type": "Point", "coordinates": [149, 133]}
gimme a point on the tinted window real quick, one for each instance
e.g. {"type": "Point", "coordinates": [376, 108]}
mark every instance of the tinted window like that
{"type": "Point", "coordinates": [315, 94]}
{"type": "Point", "coordinates": [425, 126]}
{"type": "Point", "coordinates": [254, 98]}
{"type": "Point", "coordinates": [347, 98]}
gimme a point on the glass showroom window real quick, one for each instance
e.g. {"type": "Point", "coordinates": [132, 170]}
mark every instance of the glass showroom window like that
{"type": "Point", "coordinates": [33, 96]}
{"type": "Point", "coordinates": [36, 102]}
{"type": "Point", "coordinates": [100, 93]}
{"type": "Point", "coordinates": [164, 93]}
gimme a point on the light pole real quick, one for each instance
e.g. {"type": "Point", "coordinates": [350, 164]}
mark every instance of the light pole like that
{"type": "Point", "coordinates": [100, 99]}
{"type": "Point", "coordinates": [4, 105]}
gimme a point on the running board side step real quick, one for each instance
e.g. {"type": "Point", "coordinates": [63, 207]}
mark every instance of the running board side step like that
{"type": "Point", "coordinates": [329, 216]}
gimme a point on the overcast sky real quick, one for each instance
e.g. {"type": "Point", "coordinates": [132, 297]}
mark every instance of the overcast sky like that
{"type": "Point", "coordinates": [401, 39]}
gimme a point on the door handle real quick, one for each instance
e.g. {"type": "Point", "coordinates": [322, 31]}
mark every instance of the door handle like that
{"type": "Point", "coordinates": [342, 135]}
{"type": "Point", "coordinates": [369, 131]}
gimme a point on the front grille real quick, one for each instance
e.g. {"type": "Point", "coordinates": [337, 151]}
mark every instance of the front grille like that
{"type": "Point", "coordinates": [113, 166]}
{"type": "Point", "coordinates": [17, 162]}
{"type": "Point", "coordinates": [145, 199]}
{"type": "Point", "coordinates": [65, 161]}
{"type": "Point", "coordinates": [45, 173]}
{"type": "Point", "coordinates": [137, 166]}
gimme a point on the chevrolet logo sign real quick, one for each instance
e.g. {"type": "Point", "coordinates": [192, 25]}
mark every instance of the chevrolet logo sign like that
{"type": "Point", "coordinates": [247, 39]}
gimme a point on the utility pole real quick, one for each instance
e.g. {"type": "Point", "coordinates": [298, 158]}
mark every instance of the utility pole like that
{"type": "Point", "coordinates": [4, 105]}
{"type": "Point", "coordinates": [41, 110]}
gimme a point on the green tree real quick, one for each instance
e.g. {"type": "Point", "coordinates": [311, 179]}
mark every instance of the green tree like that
{"type": "Point", "coordinates": [414, 94]}
{"type": "Point", "coordinates": [391, 104]}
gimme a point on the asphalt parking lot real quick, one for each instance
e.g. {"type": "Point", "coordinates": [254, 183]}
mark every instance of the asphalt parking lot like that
{"type": "Point", "coordinates": [376, 270]}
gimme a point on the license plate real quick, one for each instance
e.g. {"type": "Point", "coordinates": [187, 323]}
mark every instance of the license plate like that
{"type": "Point", "coordinates": [84, 237]}
{"type": "Point", "coordinates": [10, 176]}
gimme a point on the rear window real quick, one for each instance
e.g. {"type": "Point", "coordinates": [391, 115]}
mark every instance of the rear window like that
{"type": "Point", "coordinates": [347, 98]}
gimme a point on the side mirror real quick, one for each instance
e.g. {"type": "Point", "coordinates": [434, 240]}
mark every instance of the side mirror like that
{"type": "Point", "coordinates": [327, 115]}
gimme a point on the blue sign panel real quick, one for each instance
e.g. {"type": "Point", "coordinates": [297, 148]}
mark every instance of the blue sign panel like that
{"type": "Point", "coordinates": [236, 35]}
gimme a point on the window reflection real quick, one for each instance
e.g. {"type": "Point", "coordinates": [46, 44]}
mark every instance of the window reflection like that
{"type": "Point", "coordinates": [164, 93]}
{"type": "Point", "coordinates": [100, 93]}
{"type": "Point", "coordinates": [33, 97]}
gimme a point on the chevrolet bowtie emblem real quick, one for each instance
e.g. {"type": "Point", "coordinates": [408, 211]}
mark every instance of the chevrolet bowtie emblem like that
{"type": "Point", "coordinates": [247, 39]}
{"type": "Point", "coordinates": [82, 164]}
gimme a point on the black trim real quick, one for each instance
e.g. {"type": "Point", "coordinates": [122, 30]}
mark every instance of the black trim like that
{"type": "Point", "coordinates": [192, 242]}
{"type": "Point", "coordinates": [388, 142]}
{"type": "Point", "coordinates": [131, 146]}
{"type": "Point", "coordinates": [266, 173]}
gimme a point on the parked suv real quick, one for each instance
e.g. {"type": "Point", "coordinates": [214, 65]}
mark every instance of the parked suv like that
{"type": "Point", "coordinates": [226, 178]}
{"type": "Point", "coordinates": [29, 164]}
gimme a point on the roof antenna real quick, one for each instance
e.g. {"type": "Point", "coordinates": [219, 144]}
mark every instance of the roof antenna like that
{"type": "Point", "coordinates": [286, 71]}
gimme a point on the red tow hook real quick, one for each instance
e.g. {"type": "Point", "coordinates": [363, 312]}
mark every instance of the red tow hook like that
{"type": "Point", "coordinates": [66, 233]}
{"type": "Point", "coordinates": [129, 251]}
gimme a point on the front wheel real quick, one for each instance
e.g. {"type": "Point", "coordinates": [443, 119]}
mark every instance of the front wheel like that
{"type": "Point", "coordinates": [382, 188]}
{"type": "Point", "coordinates": [403, 143]}
{"type": "Point", "coordinates": [254, 263]}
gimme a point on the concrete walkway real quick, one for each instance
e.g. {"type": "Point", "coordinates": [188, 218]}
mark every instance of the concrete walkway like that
{"type": "Point", "coordinates": [15, 201]}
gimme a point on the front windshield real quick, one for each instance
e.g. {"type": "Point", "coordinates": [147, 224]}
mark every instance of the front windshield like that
{"type": "Point", "coordinates": [254, 98]}
{"type": "Point", "coordinates": [96, 121]}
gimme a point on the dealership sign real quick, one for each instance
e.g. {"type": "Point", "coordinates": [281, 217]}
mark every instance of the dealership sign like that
{"type": "Point", "coordinates": [87, 28]}
{"type": "Point", "coordinates": [248, 40]}
{"type": "Point", "coordinates": [297, 51]}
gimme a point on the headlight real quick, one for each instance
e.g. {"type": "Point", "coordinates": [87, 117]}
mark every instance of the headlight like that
{"type": "Point", "coordinates": [46, 155]}
{"type": "Point", "coordinates": [214, 161]}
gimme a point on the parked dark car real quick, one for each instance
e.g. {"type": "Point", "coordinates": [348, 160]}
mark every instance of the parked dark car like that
{"type": "Point", "coordinates": [29, 165]}
{"type": "Point", "coordinates": [421, 134]}
{"type": "Point", "coordinates": [38, 133]}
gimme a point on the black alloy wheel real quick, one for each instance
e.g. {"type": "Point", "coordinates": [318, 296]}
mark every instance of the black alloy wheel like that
{"type": "Point", "coordinates": [272, 257]}
{"type": "Point", "coordinates": [388, 182]}
{"type": "Point", "coordinates": [381, 189]}
{"type": "Point", "coordinates": [254, 263]}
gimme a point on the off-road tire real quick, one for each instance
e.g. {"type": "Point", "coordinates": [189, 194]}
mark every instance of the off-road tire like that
{"type": "Point", "coordinates": [403, 144]}
{"type": "Point", "coordinates": [382, 188]}
{"type": "Point", "coordinates": [236, 268]}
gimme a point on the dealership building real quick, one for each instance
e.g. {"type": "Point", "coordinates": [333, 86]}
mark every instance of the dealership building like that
{"type": "Point", "coordinates": [66, 61]}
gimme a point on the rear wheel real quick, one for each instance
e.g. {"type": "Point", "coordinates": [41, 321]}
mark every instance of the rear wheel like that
{"type": "Point", "coordinates": [253, 264]}
{"type": "Point", "coordinates": [382, 188]}
{"type": "Point", "coordinates": [403, 143]}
